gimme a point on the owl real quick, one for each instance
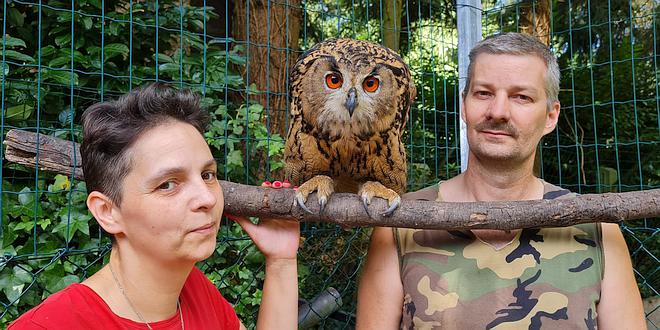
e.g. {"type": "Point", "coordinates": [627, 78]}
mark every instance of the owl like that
{"type": "Point", "coordinates": [349, 105]}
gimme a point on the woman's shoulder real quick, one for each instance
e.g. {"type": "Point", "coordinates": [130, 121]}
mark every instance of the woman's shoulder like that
{"type": "Point", "coordinates": [61, 308]}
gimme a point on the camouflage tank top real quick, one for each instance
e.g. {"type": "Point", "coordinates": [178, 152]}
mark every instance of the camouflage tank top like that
{"type": "Point", "coordinates": [546, 278]}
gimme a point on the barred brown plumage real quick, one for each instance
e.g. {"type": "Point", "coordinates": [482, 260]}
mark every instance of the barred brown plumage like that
{"type": "Point", "coordinates": [349, 104]}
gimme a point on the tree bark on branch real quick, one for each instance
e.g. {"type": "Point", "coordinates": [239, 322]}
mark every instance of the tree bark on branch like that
{"type": "Point", "coordinates": [346, 210]}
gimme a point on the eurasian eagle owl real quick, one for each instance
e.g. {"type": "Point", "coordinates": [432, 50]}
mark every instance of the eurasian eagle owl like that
{"type": "Point", "coordinates": [349, 104]}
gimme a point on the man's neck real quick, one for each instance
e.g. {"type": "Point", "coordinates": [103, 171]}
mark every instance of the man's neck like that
{"type": "Point", "coordinates": [502, 183]}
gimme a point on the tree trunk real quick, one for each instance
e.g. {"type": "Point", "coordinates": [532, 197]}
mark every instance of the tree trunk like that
{"type": "Point", "coordinates": [392, 23]}
{"type": "Point", "coordinates": [535, 20]}
{"type": "Point", "coordinates": [346, 210]}
{"type": "Point", "coordinates": [270, 31]}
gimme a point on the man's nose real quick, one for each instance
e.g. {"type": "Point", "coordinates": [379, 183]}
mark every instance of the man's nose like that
{"type": "Point", "coordinates": [500, 108]}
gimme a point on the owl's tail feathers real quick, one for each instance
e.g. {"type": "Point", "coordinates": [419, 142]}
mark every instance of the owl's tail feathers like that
{"type": "Point", "coordinates": [324, 187]}
{"type": "Point", "coordinates": [371, 189]}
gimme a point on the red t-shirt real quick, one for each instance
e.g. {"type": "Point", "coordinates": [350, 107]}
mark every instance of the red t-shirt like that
{"type": "Point", "coordinates": [79, 307]}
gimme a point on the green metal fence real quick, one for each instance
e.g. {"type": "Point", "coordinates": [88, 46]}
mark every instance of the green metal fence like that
{"type": "Point", "coordinates": [58, 57]}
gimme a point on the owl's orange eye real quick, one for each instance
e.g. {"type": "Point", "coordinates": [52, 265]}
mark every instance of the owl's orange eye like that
{"type": "Point", "coordinates": [371, 84]}
{"type": "Point", "coordinates": [333, 80]}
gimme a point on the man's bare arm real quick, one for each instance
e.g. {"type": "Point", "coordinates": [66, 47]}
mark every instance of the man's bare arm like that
{"type": "Point", "coordinates": [380, 293]}
{"type": "Point", "coordinates": [620, 304]}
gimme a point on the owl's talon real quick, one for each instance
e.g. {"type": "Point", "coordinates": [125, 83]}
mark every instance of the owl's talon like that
{"type": "Point", "coordinates": [324, 187]}
{"type": "Point", "coordinates": [300, 201]}
{"type": "Point", "coordinates": [393, 206]}
{"type": "Point", "coordinates": [322, 202]}
{"type": "Point", "coordinates": [365, 204]}
{"type": "Point", "coordinates": [372, 189]}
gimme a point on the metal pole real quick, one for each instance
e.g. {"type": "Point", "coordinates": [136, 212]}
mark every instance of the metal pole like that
{"type": "Point", "coordinates": [468, 19]}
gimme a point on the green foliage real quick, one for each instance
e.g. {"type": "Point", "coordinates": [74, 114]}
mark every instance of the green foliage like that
{"type": "Point", "coordinates": [39, 223]}
{"type": "Point", "coordinates": [241, 139]}
{"type": "Point", "coordinates": [60, 61]}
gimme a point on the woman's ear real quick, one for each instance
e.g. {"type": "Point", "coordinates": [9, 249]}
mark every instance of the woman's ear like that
{"type": "Point", "coordinates": [103, 210]}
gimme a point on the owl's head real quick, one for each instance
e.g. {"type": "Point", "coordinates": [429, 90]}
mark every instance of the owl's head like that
{"type": "Point", "coordinates": [346, 86]}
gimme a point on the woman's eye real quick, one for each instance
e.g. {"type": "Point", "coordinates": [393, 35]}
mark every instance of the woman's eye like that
{"type": "Point", "coordinates": [208, 176]}
{"type": "Point", "coordinates": [167, 185]}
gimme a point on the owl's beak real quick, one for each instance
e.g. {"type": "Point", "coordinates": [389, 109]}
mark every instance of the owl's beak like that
{"type": "Point", "coordinates": [351, 101]}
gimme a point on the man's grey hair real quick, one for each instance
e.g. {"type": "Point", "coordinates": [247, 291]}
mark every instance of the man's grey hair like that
{"type": "Point", "coordinates": [513, 43]}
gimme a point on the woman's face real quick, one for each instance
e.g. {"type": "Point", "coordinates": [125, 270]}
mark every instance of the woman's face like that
{"type": "Point", "coordinates": [171, 199]}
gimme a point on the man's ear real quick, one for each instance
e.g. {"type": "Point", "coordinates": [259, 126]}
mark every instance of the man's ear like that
{"type": "Point", "coordinates": [462, 102]}
{"type": "Point", "coordinates": [104, 211]}
{"type": "Point", "coordinates": [552, 117]}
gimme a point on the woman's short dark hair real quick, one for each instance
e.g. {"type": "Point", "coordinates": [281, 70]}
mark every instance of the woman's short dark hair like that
{"type": "Point", "coordinates": [111, 128]}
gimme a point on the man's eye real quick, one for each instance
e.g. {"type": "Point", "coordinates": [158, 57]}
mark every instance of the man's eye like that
{"type": "Point", "coordinates": [167, 185]}
{"type": "Point", "coordinates": [482, 93]}
{"type": "Point", "coordinates": [524, 98]}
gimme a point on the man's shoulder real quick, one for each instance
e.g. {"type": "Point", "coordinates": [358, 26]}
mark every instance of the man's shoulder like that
{"type": "Point", "coordinates": [551, 191]}
{"type": "Point", "coordinates": [429, 193]}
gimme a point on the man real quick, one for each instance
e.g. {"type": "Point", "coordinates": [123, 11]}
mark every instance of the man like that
{"type": "Point", "coordinates": [152, 185]}
{"type": "Point", "coordinates": [554, 278]}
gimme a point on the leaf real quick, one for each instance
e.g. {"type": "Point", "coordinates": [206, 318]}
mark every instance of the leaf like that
{"type": "Point", "coordinates": [95, 3]}
{"type": "Point", "coordinates": [24, 226]}
{"type": "Point", "coordinates": [87, 23]}
{"type": "Point", "coordinates": [64, 282]}
{"type": "Point", "coordinates": [18, 112]}
{"type": "Point", "coordinates": [235, 158]}
{"type": "Point", "coordinates": [63, 40]}
{"type": "Point", "coordinates": [48, 50]}
{"type": "Point", "coordinates": [61, 183]}
{"type": "Point", "coordinates": [13, 284]}
{"type": "Point", "coordinates": [25, 196]}
{"type": "Point", "coordinates": [113, 50]}
{"type": "Point", "coordinates": [164, 58]}
{"type": "Point", "coordinates": [59, 61]}
{"type": "Point", "coordinates": [61, 77]}
{"type": "Point", "coordinates": [65, 117]}
{"type": "Point", "coordinates": [238, 128]}
{"type": "Point", "coordinates": [13, 42]}
{"type": "Point", "coordinates": [64, 16]}
{"type": "Point", "coordinates": [14, 55]}
{"type": "Point", "coordinates": [15, 17]}
{"type": "Point", "coordinates": [169, 68]}
{"type": "Point", "coordinates": [112, 29]}
{"type": "Point", "coordinates": [44, 223]}
{"type": "Point", "coordinates": [237, 59]}
{"type": "Point", "coordinates": [5, 68]}
{"type": "Point", "coordinates": [75, 220]}
{"type": "Point", "coordinates": [234, 81]}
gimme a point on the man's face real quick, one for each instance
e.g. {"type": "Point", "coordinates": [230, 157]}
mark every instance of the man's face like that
{"type": "Point", "coordinates": [172, 201]}
{"type": "Point", "coordinates": [506, 108]}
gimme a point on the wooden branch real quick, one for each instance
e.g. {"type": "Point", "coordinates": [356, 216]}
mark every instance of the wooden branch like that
{"type": "Point", "coordinates": [55, 155]}
{"type": "Point", "coordinates": [346, 210]}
